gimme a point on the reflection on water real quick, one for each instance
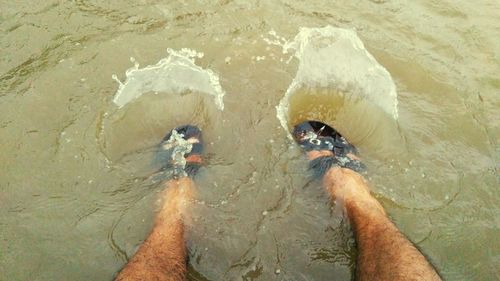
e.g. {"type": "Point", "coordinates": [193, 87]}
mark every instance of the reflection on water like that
{"type": "Point", "coordinates": [76, 196]}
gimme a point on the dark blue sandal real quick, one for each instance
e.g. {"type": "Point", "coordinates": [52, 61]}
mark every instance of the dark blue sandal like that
{"type": "Point", "coordinates": [176, 151]}
{"type": "Point", "coordinates": [313, 135]}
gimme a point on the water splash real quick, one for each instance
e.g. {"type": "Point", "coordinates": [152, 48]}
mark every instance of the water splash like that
{"type": "Point", "coordinates": [331, 57]}
{"type": "Point", "coordinates": [176, 73]}
{"type": "Point", "coordinates": [179, 147]}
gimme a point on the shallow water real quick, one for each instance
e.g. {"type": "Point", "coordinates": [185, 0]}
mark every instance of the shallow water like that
{"type": "Point", "coordinates": [75, 194]}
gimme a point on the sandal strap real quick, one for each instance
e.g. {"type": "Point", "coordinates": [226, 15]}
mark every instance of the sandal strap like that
{"type": "Point", "coordinates": [320, 165]}
{"type": "Point", "coordinates": [196, 149]}
{"type": "Point", "coordinates": [311, 139]}
{"type": "Point", "coordinates": [169, 168]}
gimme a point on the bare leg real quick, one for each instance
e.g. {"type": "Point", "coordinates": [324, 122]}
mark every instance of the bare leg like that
{"type": "Point", "coordinates": [384, 253]}
{"type": "Point", "coordinates": [163, 255]}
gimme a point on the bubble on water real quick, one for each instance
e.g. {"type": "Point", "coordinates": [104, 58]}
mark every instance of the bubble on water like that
{"type": "Point", "coordinates": [335, 57]}
{"type": "Point", "coordinates": [275, 39]}
{"type": "Point", "coordinates": [175, 74]}
{"type": "Point", "coordinates": [253, 178]}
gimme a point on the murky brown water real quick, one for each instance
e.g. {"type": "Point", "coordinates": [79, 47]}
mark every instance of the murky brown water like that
{"type": "Point", "coordinates": [75, 200]}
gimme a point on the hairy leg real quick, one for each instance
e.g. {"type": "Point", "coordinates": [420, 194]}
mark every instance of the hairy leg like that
{"type": "Point", "coordinates": [162, 256]}
{"type": "Point", "coordinates": [384, 253]}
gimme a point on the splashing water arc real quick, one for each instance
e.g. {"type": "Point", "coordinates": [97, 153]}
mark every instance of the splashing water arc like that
{"type": "Point", "coordinates": [331, 57]}
{"type": "Point", "coordinates": [175, 74]}
{"type": "Point", "coordinates": [158, 97]}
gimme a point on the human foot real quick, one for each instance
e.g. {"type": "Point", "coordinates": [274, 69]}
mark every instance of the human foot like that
{"type": "Point", "coordinates": [334, 158]}
{"type": "Point", "coordinates": [180, 151]}
{"type": "Point", "coordinates": [326, 148]}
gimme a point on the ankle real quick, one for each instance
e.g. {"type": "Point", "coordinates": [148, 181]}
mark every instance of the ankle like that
{"type": "Point", "coordinates": [342, 183]}
{"type": "Point", "coordinates": [350, 188]}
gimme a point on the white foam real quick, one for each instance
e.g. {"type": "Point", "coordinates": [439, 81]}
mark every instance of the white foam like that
{"type": "Point", "coordinates": [176, 73]}
{"type": "Point", "coordinates": [335, 57]}
{"type": "Point", "coordinates": [180, 147]}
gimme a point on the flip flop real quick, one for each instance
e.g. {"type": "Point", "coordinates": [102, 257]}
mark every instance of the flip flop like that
{"type": "Point", "coordinates": [180, 152]}
{"type": "Point", "coordinates": [314, 135]}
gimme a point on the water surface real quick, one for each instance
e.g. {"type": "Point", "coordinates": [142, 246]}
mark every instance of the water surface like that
{"type": "Point", "coordinates": [75, 197]}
